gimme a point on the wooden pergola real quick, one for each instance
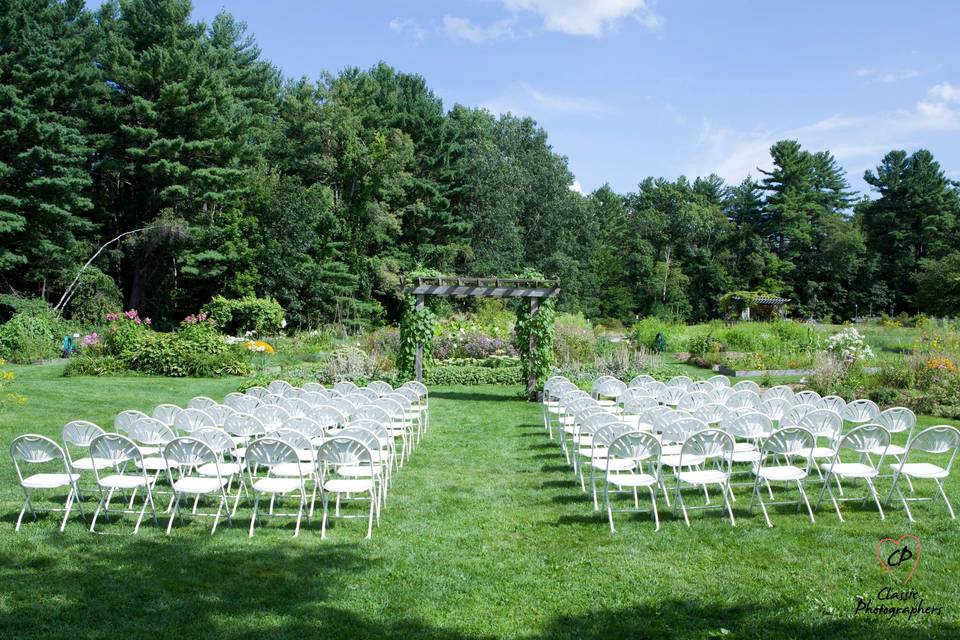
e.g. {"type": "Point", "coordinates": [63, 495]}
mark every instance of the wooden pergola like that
{"type": "Point", "coordinates": [453, 286]}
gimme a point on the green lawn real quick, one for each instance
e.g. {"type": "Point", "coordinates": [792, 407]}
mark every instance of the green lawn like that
{"type": "Point", "coordinates": [485, 536]}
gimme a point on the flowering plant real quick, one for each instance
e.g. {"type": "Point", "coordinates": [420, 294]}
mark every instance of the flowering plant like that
{"type": "Point", "coordinates": [259, 346]}
{"type": "Point", "coordinates": [849, 346]}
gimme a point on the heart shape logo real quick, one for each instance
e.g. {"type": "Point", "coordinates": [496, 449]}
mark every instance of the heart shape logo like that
{"type": "Point", "coordinates": [894, 554]}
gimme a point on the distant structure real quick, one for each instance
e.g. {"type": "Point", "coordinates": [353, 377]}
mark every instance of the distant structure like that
{"type": "Point", "coordinates": [765, 308]}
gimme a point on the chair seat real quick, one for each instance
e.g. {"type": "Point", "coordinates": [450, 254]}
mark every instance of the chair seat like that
{"type": "Point", "coordinates": [153, 463]}
{"type": "Point", "coordinates": [616, 464]}
{"type": "Point", "coordinates": [688, 461]}
{"type": "Point", "coordinates": [583, 439]}
{"type": "Point", "coordinates": [892, 450]}
{"type": "Point", "coordinates": [49, 480]}
{"type": "Point", "coordinates": [148, 451]}
{"type": "Point", "coordinates": [671, 449]}
{"type": "Point", "coordinates": [851, 470]}
{"type": "Point", "coordinates": [195, 485]}
{"type": "Point", "coordinates": [632, 479]}
{"type": "Point", "coordinates": [348, 485]}
{"type": "Point", "coordinates": [817, 452]}
{"type": "Point", "coordinates": [291, 470]}
{"type": "Point", "coordinates": [707, 476]}
{"type": "Point", "coordinates": [606, 402]}
{"type": "Point", "coordinates": [922, 470]}
{"type": "Point", "coordinates": [782, 473]}
{"type": "Point", "coordinates": [634, 421]}
{"type": "Point", "coordinates": [746, 456]}
{"type": "Point", "coordinates": [359, 471]}
{"type": "Point", "coordinates": [118, 481]}
{"type": "Point", "coordinates": [87, 464]}
{"type": "Point", "coordinates": [593, 452]}
{"type": "Point", "coordinates": [226, 469]}
{"type": "Point", "coordinates": [277, 485]}
{"type": "Point", "coordinates": [744, 446]}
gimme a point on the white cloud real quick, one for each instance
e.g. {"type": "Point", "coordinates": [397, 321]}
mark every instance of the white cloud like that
{"type": "Point", "coordinates": [464, 29]}
{"type": "Point", "coordinates": [408, 25]}
{"type": "Point", "coordinates": [587, 17]}
{"type": "Point", "coordinates": [897, 75]}
{"type": "Point", "coordinates": [733, 154]}
{"type": "Point", "coordinates": [520, 98]}
{"type": "Point", "coordinates": [576, 187]}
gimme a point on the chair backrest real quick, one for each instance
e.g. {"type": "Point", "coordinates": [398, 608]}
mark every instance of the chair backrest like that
{"type": "Point", "coordinates": [775, 408]}
{"type": "Point", "coordinates": [419, 387]}
{"type": "Point", "coordinates": [380, 387]}
{"type": "Point", "coordinates": [609, 388]}
{"type": "Point", "coordinates": [121, 423]}
{"type": "Point", "coordinates": [150, 432]}
{"type": "Point", "coordinates": [272, 398]}
{"type": "Point", "coordinates": [165, 413]}
{"type": "Point", "coordinates": [240, 402]}
{"type": "Point", "coordinates": [709, 443]}
{"type": "Point", "coordinates": [694, 400]}
{"type": "Point", "coordinates": [833, 403]}
{"type": "Point", "coordinates": [682, 382]}
{"type": "Point", "coordinates": [744, 399]}
{"type": "Point", "coordinates": [217, 439]}
{"type": "Point", "coordinates": [939, 439]}
{"type": "Point", "coordinates": [376, 427]}
{"type": "Point", "coordinates": [400, 398]}
{"type": "Point", "coordinates": [114, 448]}
{"type": "Point", "coordinates": [79, 433]}
{"type": "Point", "coordinates": [345, 387]}
{"type": "Point", "coordinates": [328, 416]}
{"type": "Point", "coordinates": [201, 402]}
{"type": "Point", "coordinates": [679, 431]}
{"type": "Point", "coordinates": [671, 395]}
{"type": "Point", "coordinates": [641, 380]}
{"type": "Point", "coordinates": [189, 420]}
{"type": "Point", "coordinates": [781, 392]}
{"type": "Point", "coordinates": [307, 426]}
{"type": "Point", "coordinates": [340, 450]}
{"type": "Point", "coordinates": [897, 419]}
{"type": "Point", "coordinates": [35, 449]}
{"type": "Point", "coordinates": [315, 398]}
{"type": "Point", "coordinates": [859, 411]}
{"type": "Point", "coordinates": [258, 392]}
{"type": "Point", "coordinates": [393, 407]}
{"type": "Point", "coordinates": [807, 397]}
{"type": "Point", "coordinates": [244, 425]}
{"type": "Point", "coordinates": [712, 413]}
{"type": "Point", "coordinates": [635, 404]}
{"type": "Point", "coordinates": [314, 387]}
{"type": "Point", "coordinates": [295, 439]}
{"type": "Point", "coordinates": [271, 451]}
{"type": "Point", "coordinates": [271, 415]}
{"type": "Point", "coordinates": [219, 413]}
{"type": "Point", "coordinates": [372, 394]}
{"type": "Point", "coordinates": [372, 412]}
{"type": "Point", "coordinates": [747, 385]}
{"type": "Point", "coordinates": [791, 442]}
{"type": "Point", "coordinates": [866, 438]}
{"type": "Point", "coordinates": [367, 437]}
{"type": "Point", "coordinates": [359, 399]}
{"type": "Point", "coordinates": [345, 406]}
{"type": "Point", "coordinates": [188, 453]}
{"type": "Point", "coordinates": [407, 393]}
{"type": "Point", "coordinates": [278, 387]}
{"type": "Point", "coordinates": [822, 423]}
{"type": "Point", "coordinates": [794, 416]}
{"type": "Point", "coordinates": [750, 426]}
{"type": "Point", "coordinates": [296, 407]}
{"type": "Point", "coordinates": [635, 446]}
{"type": "Point", "coordinates": [607, 433]}
{"type": "Point", "coordinates": [719, 381]}
{"type": "Point", "coordinates": [294, 392]}
{"type": "Point", "coordinates": [590, 423]}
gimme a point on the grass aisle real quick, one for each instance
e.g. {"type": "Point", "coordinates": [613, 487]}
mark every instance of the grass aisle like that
{"type": "Point", "coordinates": [485, 535]}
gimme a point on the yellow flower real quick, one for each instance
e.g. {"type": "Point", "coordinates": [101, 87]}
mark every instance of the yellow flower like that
{"type": "Point", "coordinates": [259, 346]}
{"type": "Point", "coordinates": [940, 363]}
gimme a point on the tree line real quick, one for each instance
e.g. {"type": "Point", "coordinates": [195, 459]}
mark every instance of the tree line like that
{"type": "Point", "coordinates": [322, 192]}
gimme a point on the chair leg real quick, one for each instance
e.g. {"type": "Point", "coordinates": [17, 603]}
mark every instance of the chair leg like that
{"type": "Point", "coordinates": [946, 501]}
{"type": "Point", "coordinates": [323, 523]}
{"type": "Point", "coordinates": [96, 514]}
{"type": "Point", "coordinates": [253, 516]}
{"type": "Point", "coordinates": [66, 515]}
{"type": "Point", "coordinates": [725, 490]}
{"type": "Point", "coordinates": [763, 507]}
{"type": "Point", "coordinates": [653, 504]}
{"type": "Point", "coordinates": [876, 498]}
{"type": "Point", "coordinates": [373, 500]}
{"type": "Point", "coordinates": [174, 510]}
{"type": "Point", "coordinates": [803, 494]}
{"type": "Point", "coordinates": [606, 502]}
{"type": "Point", "coordinates": [303, 501]}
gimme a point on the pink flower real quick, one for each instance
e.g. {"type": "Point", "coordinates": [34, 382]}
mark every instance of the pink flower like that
{"type": "Point", "coordinates": [148, 321]}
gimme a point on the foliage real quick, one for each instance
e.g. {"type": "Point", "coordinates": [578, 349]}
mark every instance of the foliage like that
{"type": "Point", "coordinates": [8, 394]}
{"type": "Point", "coordinates": [260, 316]}
{"type": "Point", "coordinates": [540, 328]}
{"type": "Point", "coordinates": [96, 295]}
{"type": "Point", "coordinates": [445, 373]}
{"type": "Point", "coordinates": [416, 328]}
{"type": "Point", "coordinates": [29, 336]}
{"type": "Point", "coordinates": [574, 339]}
{"type": "Point", "coordinates": [96, 365]}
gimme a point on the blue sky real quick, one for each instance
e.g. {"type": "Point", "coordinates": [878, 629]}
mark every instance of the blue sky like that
{"type": "Point", "coordinates": [631, 88]}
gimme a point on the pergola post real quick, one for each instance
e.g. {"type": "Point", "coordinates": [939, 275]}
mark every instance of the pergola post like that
{"type": "Point", "coordinates": [532, 375]}
{"type": "Point", "coordinates": [418, 362]}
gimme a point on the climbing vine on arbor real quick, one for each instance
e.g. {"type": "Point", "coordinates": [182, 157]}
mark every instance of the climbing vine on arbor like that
{"type": "Point", "coordinates": [416, 328]}
{"type": "Point", "coordinates": [541, 326]}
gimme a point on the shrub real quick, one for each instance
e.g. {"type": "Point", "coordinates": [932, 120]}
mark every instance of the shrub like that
{"type": "Point", "coordinates": [645, 333]}
{"type": "Point", "coordinates": [575, 339]}
{"type": "Point", "coordinates": [699, 346]}
{"type": "Point", "coordinates": [468, 375]}
{"type": "Point", "coordinates": [93, 365]}
{"type": "Point", "coordinates": [29, 336]}
{"type": "Point", "coordinates": [237, 316]}
{"type": "Point", "coordinates": [96, 295]}
{"type": "Point", "coordinates": [850, 346]}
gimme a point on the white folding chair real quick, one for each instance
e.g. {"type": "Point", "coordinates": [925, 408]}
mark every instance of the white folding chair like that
{"type": "Point", "coordinates": [277, 455]}
{"type": "Point", "coordinates": [938, 440]}
{"type": "Point", "coordinates": [861, 440]}
{"type": "Point", "coordinates": [188, 455]}
{"type": "Point", "coordinates": [39, 450]}
{"type": "Point", "coordinates": [898, 420]}
{"type": "Point", "coordinates": [271, 415]}
{"type": "Point", "coordinates": [701, 448]}
{"type": "Point", "coordinates": [241, 402]}
{"type": "Point", "coordinates": [201, 402]}
{"type": "Point", "coordinates": [119, 452]}
{"type": "Point", "coordinates": [633, 461]}
{"type": "Point", "coordinates": [222, 444]}
{"type": "Point", "coordinates": [337, 452]}
{"type": "Point", "coordinates": [779, 392]}
{"type": "Point", "coordinates": [380, 387]}
{"type": "Point", "coordinates": [278, 387]}
{"type": "Point", "coordinates": [166, 413]}
{"type": "Point", "coordinates": [861, 411]}
{"type": "Point", "coordinates": [78, 434]}
{"type": "Point", "coordinates": [785, 444]}
{"type": "Point", "coordinates": [189, 420]}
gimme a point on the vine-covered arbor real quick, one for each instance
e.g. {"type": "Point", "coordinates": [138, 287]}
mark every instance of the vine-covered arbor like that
{"type": "Point", "coordinates": [534, 331]}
